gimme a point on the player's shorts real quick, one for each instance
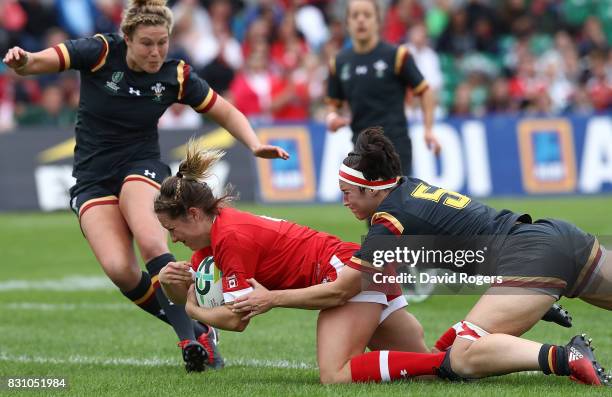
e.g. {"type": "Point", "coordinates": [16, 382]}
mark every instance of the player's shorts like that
{"type": "Point", "coordinates": [85, 195]}
{"type": "Point", "coordinates": [549, 256]}
{"type": "Point", "coordinates": [391, 302]}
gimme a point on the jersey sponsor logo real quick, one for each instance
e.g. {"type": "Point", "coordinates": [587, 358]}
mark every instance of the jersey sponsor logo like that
{"type": "Point", "coordinates": [380, 66]}
{"type": "Point", "coordinates": [158, 90]}
{"type": "Point", "coordinates": [232, 282]}
{"type": "Point", "coordinates": [345, 72]}
{"type": "Point", "coordinates": [112, 85]}
{"type": "Point", "coordinates": [134, 91]}
{"type": "Point", "coordinates": [361, 69]}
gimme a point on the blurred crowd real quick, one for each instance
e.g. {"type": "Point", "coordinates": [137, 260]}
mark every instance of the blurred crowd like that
{"type": "Point", "coordinates": [270, 57]}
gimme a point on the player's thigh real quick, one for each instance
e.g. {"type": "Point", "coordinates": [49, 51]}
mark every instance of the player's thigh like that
{"type": "Point", "coordinates": [401, 331]}
{"type": "Point", "coordinates": [600, 292]}
{"type": "Point", "coordinates": [136, 204]}
{"type": "Point", "coordinates": [342, 333]}
{"type": "Point", "coordinates": [111, 242]}
{"type": "Point", "coordinates": [509, 310]}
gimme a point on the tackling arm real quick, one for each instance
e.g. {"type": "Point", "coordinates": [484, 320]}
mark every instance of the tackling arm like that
{"type": "Point", "coordinates": [316, 297]}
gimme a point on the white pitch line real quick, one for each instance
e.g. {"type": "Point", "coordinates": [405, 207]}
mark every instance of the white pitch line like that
{"type": "Point", "coordinates": [52, 307]}
{"type": "Point", "coordinates": [66, 284]}
{"type": "Point", "coordinates": [147, 362]}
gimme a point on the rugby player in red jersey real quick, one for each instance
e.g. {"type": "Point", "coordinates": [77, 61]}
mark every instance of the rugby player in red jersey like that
{"type": "Point", "coordinates": [280, 255]}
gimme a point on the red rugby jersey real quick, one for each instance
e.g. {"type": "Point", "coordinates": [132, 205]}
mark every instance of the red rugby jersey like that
{"type": "Point", "coordinates": [277, 253]}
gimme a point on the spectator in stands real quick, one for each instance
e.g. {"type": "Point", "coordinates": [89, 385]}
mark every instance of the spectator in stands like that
{"type": "Point", "coordinates": [462, 104]}
{"type": "Point", "coordinates": [78, 18]}
{"type": "Point", "coordinates": [428, 62]}
{"type": "Point", "coordinates": [592, 37]}
{"type": "Point", "coordinates": [220, 51]}
{"type": "Point", "coordinates": [310, 21]}
{"type": "Point", "coordinates": [498, 100]}
{"type": "Point", "coordinates": [7, 103]}
{"type": "Point", "coordinates": [457, 38]}
{"type": "Point", "coordinates": [599, 84]}
{"type": "Point", "coordinates": [40, 16]}
{"type": "Point", "coordinates": [289, 45]}
{"type": "Point", "coordinates": [251, 89]}
{"type": "Point", "coordinates": [52, 111]}
{"type": "Point", "coordinates": [260, 31]}
{"type": "Point", "coordinates": [401, 15]}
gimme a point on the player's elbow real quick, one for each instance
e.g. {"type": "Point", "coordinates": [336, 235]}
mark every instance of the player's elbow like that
{"type": "Point", "coordinates": [343, 296]}
{"type": "Point", "coordinates": [239, 326]}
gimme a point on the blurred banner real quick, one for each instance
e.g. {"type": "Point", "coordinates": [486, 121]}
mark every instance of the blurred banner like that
{"type": "Point", "coordinates": [36, 165]}
{"type": "Point", "coordinates": [491, 156]}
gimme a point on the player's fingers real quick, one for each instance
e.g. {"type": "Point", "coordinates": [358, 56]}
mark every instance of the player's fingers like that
{"type": "Point", "coordinates": [282, 153]}
{"type": "Point", "coordinates": [241, 307]}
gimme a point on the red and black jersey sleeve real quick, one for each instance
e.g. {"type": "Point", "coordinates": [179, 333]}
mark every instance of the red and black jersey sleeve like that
{"type": "Point", "coordinates": [383, 226]}
{"type": "Point", "coordinates": [407, 70]}
{"type": "Point", "coordinates": [86, 54]}
{"type": "Point", "coordinates": [193, 90]}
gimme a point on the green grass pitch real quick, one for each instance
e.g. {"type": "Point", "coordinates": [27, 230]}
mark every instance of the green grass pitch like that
{"type": "Point", "coordinates": [85, 331]}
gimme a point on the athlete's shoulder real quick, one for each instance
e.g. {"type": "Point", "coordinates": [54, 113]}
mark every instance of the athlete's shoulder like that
{"type": "Point", "coordinates": [387, 47]}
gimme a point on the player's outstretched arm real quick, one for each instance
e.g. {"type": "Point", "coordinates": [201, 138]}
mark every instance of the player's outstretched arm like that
{"type": "Point", "coordinates": [220, 317]}
{"type": "Point", "coordinates": [25, 63]}
{"type": "Point", "coordinates": [316, 297]}
{"type": "Point", "coordinates": [230, 118]}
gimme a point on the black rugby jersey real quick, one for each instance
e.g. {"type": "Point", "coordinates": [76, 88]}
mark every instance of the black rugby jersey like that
{"type": "Point", "coordinates": [417, 208]}
{"type": "Point", "coordinates": [374, 84]}
{"type": "Point", "coordinates": [119, 108]}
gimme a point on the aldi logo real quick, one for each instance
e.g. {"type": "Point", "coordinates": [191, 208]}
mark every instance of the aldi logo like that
{"type": "Point", "coordinates": [546, 151]}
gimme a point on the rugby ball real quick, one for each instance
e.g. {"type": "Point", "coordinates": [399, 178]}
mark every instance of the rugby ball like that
{"type": "Point", "coordinates": [208, 288]}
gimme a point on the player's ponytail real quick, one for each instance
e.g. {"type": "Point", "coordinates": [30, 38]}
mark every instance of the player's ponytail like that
{"type": "Point", "coordinates": [374, 155]}
{"type": "Point", "coordinates": [145, 12]}
{"type": "Point", "coordinates": [187, 188]}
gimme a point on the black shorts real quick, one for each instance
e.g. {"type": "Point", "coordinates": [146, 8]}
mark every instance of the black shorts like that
{"type": "Point", "coordinates": [549, 256]}
{"type": "Point", "coordinates": [84, 194]}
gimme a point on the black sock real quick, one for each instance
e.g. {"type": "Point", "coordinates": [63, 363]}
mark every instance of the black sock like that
{"type": "Point", "coordinates": [553, 360]}
{"type": "Point", "coordinates": [199, 328]}
{"type": "Point", "coordinates": [182, 324]}
{"type": "Point", "coordinates": [143, 296]}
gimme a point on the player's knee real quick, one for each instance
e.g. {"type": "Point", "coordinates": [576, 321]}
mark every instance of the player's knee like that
{"type": "Point", "coordinates": [465, 363]}
{"type": "Point", "coordinates": [331, 378]}
{"type": "Point", "coordinates": [151, 247]}
{"type": "Point", "coordinates": [122, 273]}
{"type": "Point", "coordinates": [331, 375]}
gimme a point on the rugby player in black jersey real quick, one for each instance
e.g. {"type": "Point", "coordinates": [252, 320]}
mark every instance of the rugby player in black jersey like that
{"type": "Point", "coordinates": [372, 77]}
{"type": "Point", "coordinates": [126, 85]}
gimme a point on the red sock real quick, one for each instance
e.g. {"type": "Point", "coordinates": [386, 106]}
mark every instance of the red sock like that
{"type": "Point", "coordinates": [446, 340]}
{"type": "Point", "coordinates": [383, 366]}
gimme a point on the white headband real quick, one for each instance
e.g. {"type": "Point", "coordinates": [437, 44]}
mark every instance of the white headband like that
{"type": "Point", "coordinates": [354, 177]}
